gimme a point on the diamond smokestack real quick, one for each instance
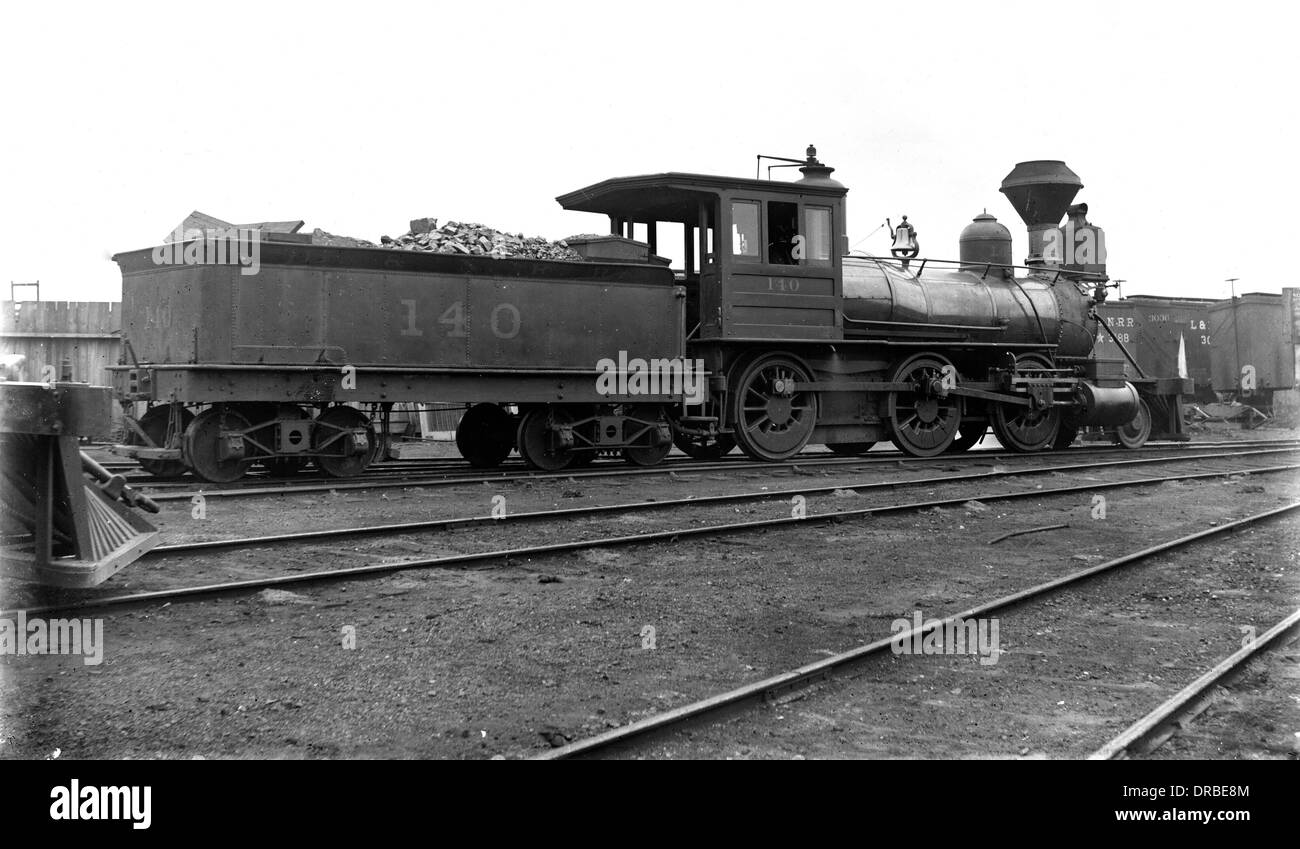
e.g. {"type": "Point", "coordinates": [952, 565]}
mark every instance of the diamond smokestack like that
{"type": "Point", "coordinates": [1041, 190]}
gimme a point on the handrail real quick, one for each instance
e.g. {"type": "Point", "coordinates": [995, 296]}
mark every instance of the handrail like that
{"type": "Point", "coordinates": [1040, 269]}
{"type": "Point", "coordinates": [922, 325]}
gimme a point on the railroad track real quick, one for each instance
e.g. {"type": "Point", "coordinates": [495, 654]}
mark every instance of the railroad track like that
{"type": "Point", "coordinates": [697, 501]}
{"type": "Point", "coordinates": [132, 470]}
{"type": "Point", "coordinates": [1152, 730]}
{"type": "Point", "coordinates": [819, 460]}
{"type": "Point", "coordinates": [636, 736]}
{"type": "Point", "coordinates": [668, 535]}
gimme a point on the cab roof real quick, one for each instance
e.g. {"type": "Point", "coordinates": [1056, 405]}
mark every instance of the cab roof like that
{"type": "Point", "coordinates": [675, 196]}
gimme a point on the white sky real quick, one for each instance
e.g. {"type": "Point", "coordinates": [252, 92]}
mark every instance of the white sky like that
{"type": "Point", "coordinates": [1180, 119]}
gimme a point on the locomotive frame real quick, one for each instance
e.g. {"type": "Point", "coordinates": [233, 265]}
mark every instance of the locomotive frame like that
{"type": "Point", "coordinates": [856, 382]}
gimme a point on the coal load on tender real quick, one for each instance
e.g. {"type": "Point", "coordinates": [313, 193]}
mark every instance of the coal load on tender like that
{"type": "Point", "coordinates": [476, 240]}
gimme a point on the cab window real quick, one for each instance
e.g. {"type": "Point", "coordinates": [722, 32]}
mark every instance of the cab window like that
{"type": "Point", "coordinates": [782, 228]}
{"type": "Point", "coordinates": [817, 242]}
{"type": "Point", "coordinates": [745, 242]}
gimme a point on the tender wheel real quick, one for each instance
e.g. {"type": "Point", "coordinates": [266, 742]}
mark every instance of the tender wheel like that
{"type": "Point", "coordinates": [485, 435]}
{"type": "Point", "coordinates": [205, 448]}
{"type": "Point", "coordinates": [1024, 429]}
{"type": "Point", "coordinates": [334, 441]}
{"type": "Point", "coordinates": [969, 435]}
{"type": "Point", "coordinates": [538, 444]}
{"type": "Point", "coordinates": [642, 423]}
{"type": "Point", "coordinates": [154, 422]}
{"type": "Point", "coordinates": [704, 448]}
{"type": "Point", "coordinates": [641, 455]}
{"type": "Point", "coordinates": [1135, 433]}
{"type": "Point", "coordinates": [850, 449]}
{"type": "Point", "coordinates": [922, 423]}
{"type": "Point", "coordinates": [773, 422]}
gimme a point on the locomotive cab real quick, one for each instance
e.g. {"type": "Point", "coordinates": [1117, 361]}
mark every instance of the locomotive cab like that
{"type": "Point", "coordinates": [761, 259]}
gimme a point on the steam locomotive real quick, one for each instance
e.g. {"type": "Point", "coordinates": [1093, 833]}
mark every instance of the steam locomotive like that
{"type": "Point", "coordinates": [771, 336]}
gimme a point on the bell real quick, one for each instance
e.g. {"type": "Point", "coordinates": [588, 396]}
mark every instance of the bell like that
{"type": "Point", "coordinates": [905, 243]}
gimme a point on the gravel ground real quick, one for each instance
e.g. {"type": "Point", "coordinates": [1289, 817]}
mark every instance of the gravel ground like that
{"type": "Point", "coordinates": [1076, 669]}
{"type": "Point", "coordinates": [1256, 716]}
{"type": "Point", "coordinates": [509, 659]}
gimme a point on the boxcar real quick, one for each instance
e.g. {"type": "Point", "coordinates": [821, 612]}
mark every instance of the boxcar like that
{"type": "Point", "coordinates": [1253, 349]}
{"type": "Point", "coordinates": [1167, 337]}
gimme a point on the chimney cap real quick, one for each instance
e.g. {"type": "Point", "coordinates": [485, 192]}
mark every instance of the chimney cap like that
{"type": "Point", "coordinates": [1039, 172]}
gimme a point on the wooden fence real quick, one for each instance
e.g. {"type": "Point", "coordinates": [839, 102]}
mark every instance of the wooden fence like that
{"type": "Point", "coordinates": [80, 337]}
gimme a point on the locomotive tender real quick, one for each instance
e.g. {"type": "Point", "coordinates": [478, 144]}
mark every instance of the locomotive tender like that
{"type": "Point", "coordinates": [800, 342]}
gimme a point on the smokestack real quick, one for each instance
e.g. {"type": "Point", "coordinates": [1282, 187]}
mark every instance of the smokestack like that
{"type": "Point", "coordinates": [1041, 190]}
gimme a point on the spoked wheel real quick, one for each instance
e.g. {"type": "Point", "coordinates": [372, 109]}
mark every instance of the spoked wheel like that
{"type": "Point", "coordinates": [1025, 429]}
{"type": "Point", "coordinates": [335, 439]}
{"type": "Point", "coordinates": [772, 420]}
{"type": "Point", "coordinates": [207, 445]}
{"type": "Point", "coordinates": [850, 449]}
{"type": "Point", "coordinates": [968, 436]}
{"type": "Point", "coordinates": [485, 435]}
{"type": "Point", "coordinates": [538, 443]}
{"type": "Point", "coordinates": [155, 422]}
{"type": "Point", "coordinates": [922, 423]}
{"type": "Point", "coordinates": [704, 448]}
{"type": "Point", "coordinates": [1135, 433]}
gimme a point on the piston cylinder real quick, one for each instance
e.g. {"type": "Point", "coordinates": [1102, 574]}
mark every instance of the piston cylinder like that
{"type": "Point", "coordinates": [1106, 406]}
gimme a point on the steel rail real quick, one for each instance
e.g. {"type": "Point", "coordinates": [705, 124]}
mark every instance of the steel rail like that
{"type": "Point", "coordinates": [771, 687]}
{"type": "Point", "coordinates": [638, 506]}
{"type": "Point", "coordinates": [670, 536]}
{"type": "Point", "coordinates": [1159, 725]}
{"type": "Point", "coordinates": [398, 465]}
{"type": "Point", "coordinates": [533, 475]}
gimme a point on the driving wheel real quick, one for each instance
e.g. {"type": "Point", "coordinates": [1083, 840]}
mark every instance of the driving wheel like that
{"type": "Point", "coordinates": [1025, 429]}
{"type": "Point", "coordinates": [924, 419]}
{"type": "Point", "coordinates": [773, 421]}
